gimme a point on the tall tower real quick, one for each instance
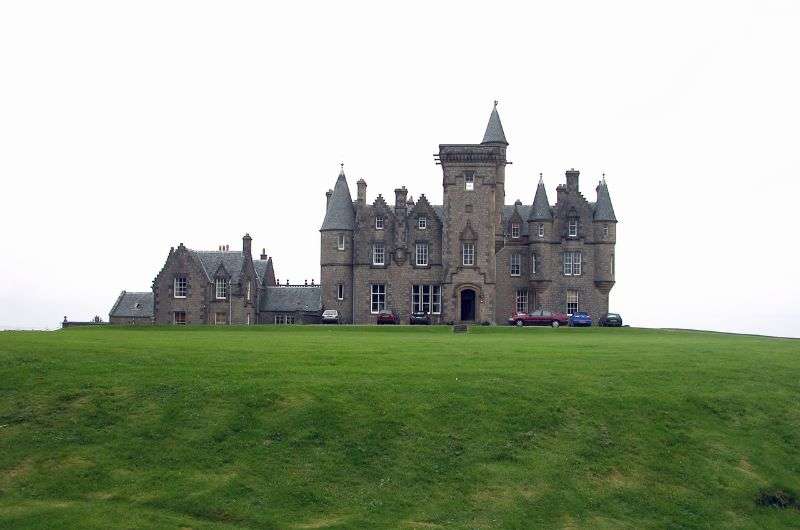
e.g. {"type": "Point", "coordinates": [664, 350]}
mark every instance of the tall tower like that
{"type": "Point", "coordinates": [336, 253]}
{"type": "Point", "coordinates": [473, 178]}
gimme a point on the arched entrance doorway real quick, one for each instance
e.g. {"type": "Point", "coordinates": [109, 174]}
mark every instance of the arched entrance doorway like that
{"type": "Point", "coordinates": [468, 304]}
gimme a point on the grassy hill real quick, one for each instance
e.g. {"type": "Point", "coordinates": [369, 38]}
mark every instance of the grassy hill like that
{"type": "Point", "coordinates": [312, 427]}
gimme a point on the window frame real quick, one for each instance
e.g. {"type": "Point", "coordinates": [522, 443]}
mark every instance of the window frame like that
{"type": "Point", "coordinates": [340, 242]}
{"type": "Point", "coordinates": [379, 249]}
{"type": "Point", "coordinates": [469, 181]}
{"type": "Point", "coordinates": [380, 222]}
{"type": "Point", "coordinates": [179, 321]}
{"type": "Point", "coordinates": [515, 264]}
{"type": "Point", "coordinates": [569, 303]}
{"type": "Point", "coordinates": [421, 250]}
{"type": "Point", "coordinates": [426, 298]}
{"type": "Point", "coordinates": [224, 284]}
{"type": "Point", "coordinates": [185, 288]}
{"type": "Point", "coordinates": [465, 246]}
{"type": "Point", "coordinates": [573, 263]}
{"type": "Point", "coordinates": [572, 227]}
{"type": "Point", "coordinates": [515, 230]}
{"type": "Point", "coordinates": [541, 230]}
{"type": "Point", "coordinates": [248, 291]}
{"type": "Point", "coordinates": [533, 263]}
{"type": "Point", "coordinates": [521, 300]}
{"type": "Point", "coordinates": [340, 291]}
{"type": "Point", "coordinates": [422, 223]}
{"type": "Point", "coordinates": [377, 300]}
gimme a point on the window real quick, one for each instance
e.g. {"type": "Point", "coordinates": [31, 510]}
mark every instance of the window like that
{"type": "Point", "coordinates": [612, 265]}
{"type": "Point", "coordinates": [221, 288]}
{"type": "Point", "coordinates": [249, 287]}
{"type": "Point", "coordinates": [573, 227]}
{"type": "Point", "coordinates": [284, 318]}
{"type": "Point", "coordinates": [422, 223]}
{"type": "Point", "coordinates": [515, 264]}
{"type": "Point", "coordinates": [533, 263]}
{"type": "Point", "coordinates": [469, 181]}
{"type": "Point", "coordinates": [572, 264]}
{"type": "Point", "coordinates": [340, 292]}
{"type": "Point", "coordinates": [220, 318]}
{"type": "Point", "coordinates": [541, 230]}
{"type": "Point", "coordinates": [605, 231]}
{"type": "Point", "coordinates": [248, 319]}
{"type": "Point", "coordinates": [379, 222]}
{"type": "Point", "coordinates": [378, 254]}
{"type": "Point", "coordinates": [522, 301]}
{"type": "Point", "coordinates": [426, 299]}
{"type": "Point", "coordinates": [179, 317]}
{"type": "Point", "coordinates": [468, 254]}
{"type": "Point", "coordinates": [377, 298]}
{"type": "Point", "coordinates": [422, 254]}
{"type": "Point", "coordinates": [180, 287]}
{"type": "Point", "coordinates": [515, 230]}
{"type": "Point", "coordinates": [340, 242]}
{"type": "Point", "coordinates": [572, 302]}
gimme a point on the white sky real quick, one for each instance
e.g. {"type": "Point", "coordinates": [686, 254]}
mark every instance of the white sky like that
{"type": "Point", "coordinates": [127, 128]}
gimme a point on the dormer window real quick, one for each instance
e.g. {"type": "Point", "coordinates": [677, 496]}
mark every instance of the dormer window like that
{"type": "Point", "coordinates": [469, 181]}
{"type": "Point", "coordinates": [573, 227]}
{"type": "Point", "coordinates": [422, 223]}
{"type": "Point", "coordinates": [515, 230]}
{"type": "Point", "coordinates": [221, 288]}
{"type": "Point", "coordinates": [340, 242]}
{"type": "Point", "coordinates": [379, 222]}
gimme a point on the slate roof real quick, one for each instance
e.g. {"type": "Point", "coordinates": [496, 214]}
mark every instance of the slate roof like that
{"type": "Point", "coordinates": [261, 268]}
{"type": "Point", "coordinates": [603, 210]}
{"type": "Point", "coordinates": [340, 214]}
{"type": "Point", "coordinates": [508, 212]}
{"type": "Point", "coordinates": [288, 299]}
{"type": "Point", "coordinates": [130, 304]}
{"type": "Point", "coordinates": [232, 260]}
{"type": "Point", "coordinates": [540, 211]}
{"type": "Point", "coordinates": [494, 129]}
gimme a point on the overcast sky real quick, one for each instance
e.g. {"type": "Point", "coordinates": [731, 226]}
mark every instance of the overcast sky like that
{"type": "Point", "coordinates": [129, 127]}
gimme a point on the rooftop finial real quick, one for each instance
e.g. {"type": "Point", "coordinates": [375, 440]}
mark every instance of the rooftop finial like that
{"type": "Point", "coordinates": [541, 178]}
{"type": "Point", "coordinates": [495, 103]}
{"type": "Point", "coordinates": [604, 178]}
{"type": "Point", "coordinates": [341, 170]}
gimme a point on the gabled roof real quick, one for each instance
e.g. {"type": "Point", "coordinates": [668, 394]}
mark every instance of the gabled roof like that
{"type": "Point", "coordinates": [340, 214]}
{"type": "Point", "coordinates": [603, 210]}
{"type": "Point", "coordinates": [540, 211]}
{"type": "Point", "coordinates": [508, 214]}
{"type": "Point", "coordinates": [494, 129]}
{"type": "Point", "coordinates": [211, 260]}
{"type": "Point", "coordinates": [277, 298]}
{"type": "Point", "coordinates": [130, 304]}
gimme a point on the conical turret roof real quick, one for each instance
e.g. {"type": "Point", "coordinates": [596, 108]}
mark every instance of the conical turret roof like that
{"type": "Point", "coordinates": [494, 130]}
{"type": "Point", "coordinates": [340, 214]}
{"type": "Point", "coordinates": [540, 211]}
{"type": "Point", "coordinates": [603, 210]}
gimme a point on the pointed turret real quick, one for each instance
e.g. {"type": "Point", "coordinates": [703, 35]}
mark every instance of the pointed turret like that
{"type": "Point", "coordinates": [603, 210]}
{"type": "Point", "coordinates": [339, 214]}
{"type": "Point", "coordinates": [540, 211]}
{"type": "Point", "coordinates": [494, 130]}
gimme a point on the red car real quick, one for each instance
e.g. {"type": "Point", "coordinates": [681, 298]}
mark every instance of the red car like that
{"type": "Point", "coordinates": [539, 318]}
{"type": "Point", "coordinates": [387, 317]}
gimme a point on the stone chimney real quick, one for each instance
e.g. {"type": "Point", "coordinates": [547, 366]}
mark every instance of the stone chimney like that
{"type": "Point", "coordinates": [400, 205]}
{"type": "Point", "coordinates": [328, 197]}
{"type": "Point", "coordinates": [247, 244]}
{"type": "Point", "coordinates": [362, 191]}
{"type": "Point", "coordinates": [572, 180]}
{"type": "Point", "coordinates": [263, 254]}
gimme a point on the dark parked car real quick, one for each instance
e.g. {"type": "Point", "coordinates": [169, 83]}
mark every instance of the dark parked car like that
{"type": "Point", "coordinates": [580, 318]}
{"type": "Point", "coordinates": [538, 318]}
{"type": "Point", "coordinates": [387, 317]}
{"type": "Point", "coordinates": [611, 320]}
{"type": "Point", "coordinates": [330, 316]}
{"type": "Point", "coordinates": [419, 318]}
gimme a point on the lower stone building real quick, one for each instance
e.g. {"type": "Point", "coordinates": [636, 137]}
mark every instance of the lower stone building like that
{"type": "Point", "coordinates": [132, 308]}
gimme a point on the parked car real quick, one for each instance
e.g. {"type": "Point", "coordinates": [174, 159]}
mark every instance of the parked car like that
{"type": "Point", "coordinates": [611, 320]}
{"type": "Point", "coordinates": [541, 317]}
{"type": "Point", "coordinates": [419, 318]}
{"type": "Point", "coordinates": [580, 318]}
{"type": "Point", "coordinates": [330, 316]}
{"type": "Point", "coordinates": [387, 317]}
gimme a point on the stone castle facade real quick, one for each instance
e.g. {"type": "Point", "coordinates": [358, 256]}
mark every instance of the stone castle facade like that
{"type": "Point", "coordinates": [473, 258]}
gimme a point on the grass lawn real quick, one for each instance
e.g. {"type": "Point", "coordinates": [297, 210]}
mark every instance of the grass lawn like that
{"type": "Point", "coordinates": [419, 428]}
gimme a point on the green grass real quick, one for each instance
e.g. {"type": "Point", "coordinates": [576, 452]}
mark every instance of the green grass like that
{"type": "Point", "coordinates": [322, 427]}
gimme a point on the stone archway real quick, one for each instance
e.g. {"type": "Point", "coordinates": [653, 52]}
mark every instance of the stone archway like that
{"type": "Point", "coordinates": [468, 305]}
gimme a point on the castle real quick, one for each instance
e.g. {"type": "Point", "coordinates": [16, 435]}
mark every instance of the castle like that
{"type": "Point", "coordinates": [473, 258]}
